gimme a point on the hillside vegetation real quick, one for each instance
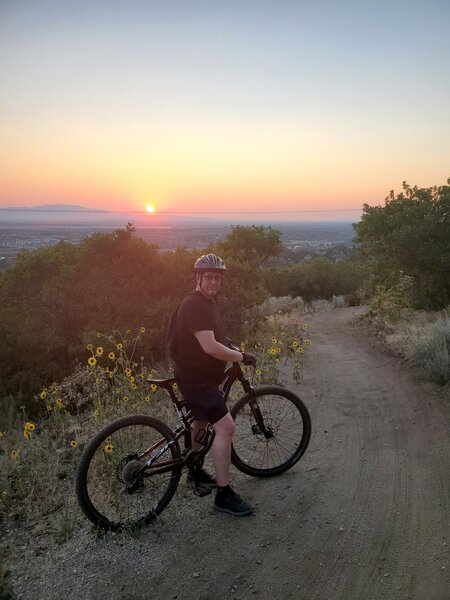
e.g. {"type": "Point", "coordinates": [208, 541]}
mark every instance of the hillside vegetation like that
{"type": "Point", "coordinates": [55, 300]}
{"type": "Point", "coordinates": [407, 245]}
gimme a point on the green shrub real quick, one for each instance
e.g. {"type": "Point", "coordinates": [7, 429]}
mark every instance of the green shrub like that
{"type": "Point", "coordinates": [319, 278]}
{"type": "Point", "coordinates": [390, 302]}
{"type": "Point", "coordinates": [410, 234]}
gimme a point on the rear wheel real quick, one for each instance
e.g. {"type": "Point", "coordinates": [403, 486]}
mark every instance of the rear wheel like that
{"type": "Point", "coordinates": [273, 428]}
{"type": "Point", "coordinates": [111, 491]}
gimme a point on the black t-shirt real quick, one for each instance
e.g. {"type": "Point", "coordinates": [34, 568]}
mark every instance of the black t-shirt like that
{"type": "Point", "coordinates": [192, 364]}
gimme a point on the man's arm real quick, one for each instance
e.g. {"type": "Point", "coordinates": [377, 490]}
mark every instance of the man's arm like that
{"type": "Point", "coordinates": [214, 348]}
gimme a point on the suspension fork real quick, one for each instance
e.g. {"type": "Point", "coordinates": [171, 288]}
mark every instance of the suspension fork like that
{"type": "Point", "coordinates": [254, 406]}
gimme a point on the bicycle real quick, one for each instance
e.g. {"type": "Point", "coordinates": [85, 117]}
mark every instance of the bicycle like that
{"type": "Point", "coordinates": [130, 470]}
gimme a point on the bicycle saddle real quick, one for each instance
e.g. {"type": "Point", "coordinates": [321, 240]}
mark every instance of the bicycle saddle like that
{"type": "Point", "coordinates": [164, 383]}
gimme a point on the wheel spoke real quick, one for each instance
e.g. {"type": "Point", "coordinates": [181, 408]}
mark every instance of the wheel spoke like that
{"type": "Point", "coordinates": [106, 474]}
{"type": "Point", "coordinates": [287, 420]}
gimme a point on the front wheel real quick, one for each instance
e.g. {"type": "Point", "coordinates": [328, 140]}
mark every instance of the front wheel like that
{"type": "Point", "coordinates": [113, 489]}
{"type": "Point", "coordinates": [273, 428]}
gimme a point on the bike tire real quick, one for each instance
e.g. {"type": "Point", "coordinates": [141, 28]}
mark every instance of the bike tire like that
{"type": "Point", "coordinates": [101, 489]}
{"type": "Point", "coordinates": [288, 419]}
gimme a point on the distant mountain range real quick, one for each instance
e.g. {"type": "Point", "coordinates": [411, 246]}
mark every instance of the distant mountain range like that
{"type": "Point", "coordinates": [55, 207]}
{"type": "Point", "coordinates": [73, 214]}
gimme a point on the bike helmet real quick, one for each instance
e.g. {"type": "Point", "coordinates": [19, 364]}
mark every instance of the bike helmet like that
{"type": "Point", "coordinates": [209, 262]}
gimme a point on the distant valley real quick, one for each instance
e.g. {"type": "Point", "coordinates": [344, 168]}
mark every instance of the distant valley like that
{"type": "Point", "coordinates": [28, 229]}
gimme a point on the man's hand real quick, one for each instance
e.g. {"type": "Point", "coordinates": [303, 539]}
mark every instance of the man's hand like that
{"type": "Point", "coordinates": [248, 359]}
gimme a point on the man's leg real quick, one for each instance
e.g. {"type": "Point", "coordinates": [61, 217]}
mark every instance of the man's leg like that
{"type": "Point", "coordinates": [226, 498]}
{"type": "Point", "coordinates": [221, 449]}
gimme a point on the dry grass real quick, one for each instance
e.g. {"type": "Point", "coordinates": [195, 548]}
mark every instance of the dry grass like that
{"type": "Point", "coordinates": [421, 337]}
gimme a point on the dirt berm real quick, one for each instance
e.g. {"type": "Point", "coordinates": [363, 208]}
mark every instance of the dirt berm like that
{"type": "Point", "coordinates": [363, 516]}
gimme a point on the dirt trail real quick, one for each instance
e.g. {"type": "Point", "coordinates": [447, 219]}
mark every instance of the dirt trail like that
{"type": "Point", "coordinates": [363, 516]}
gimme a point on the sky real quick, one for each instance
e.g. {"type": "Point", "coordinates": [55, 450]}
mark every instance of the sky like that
{"type": "Point", "coordinates": [222, 107]}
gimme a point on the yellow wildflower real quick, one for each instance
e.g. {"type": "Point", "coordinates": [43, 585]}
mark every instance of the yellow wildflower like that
{"type": "Point", "coordinates": [274, 340]}
{"type": "Point", "coordinates": [2, 434]}
{"type": "Point", "coordinates": [294, 344]}
{"type": "Point", "coordinates": [99, 351]}
{"type": "Point", "coordinates": [128, 372]}
{"type": "Point", "coordinates": [119, 346]}
{"type": "Point", "coordinates": [26, 434]}
{"type": "Point", "coordinates": [74, 443]}
{"type": "Point", "coordinates": [59, 403]}
{"type": "Point", "coordinates": [277, 350]}
{"type": "Point", "coordinates": [29, 426]}
{"type": "Point", "coordinates": [126, 398]}
{"type": "Point", "coordinates": [49, 407]}
{"type": "Point", "coordinates": [108, 448]}
{"type": "Point", "coordinates": [299, 350]}
{"type": "Point", "coordinates": [142, 329]}
{"type": "Point", "coordinates": [43, 394]}
{"type": "Point", "coordinates": [14, 455]}
{"type": "Point", "coordinates": [307, 342]}
{"type": "Point", "coordinates": [96, 413]}
{"type": "Point", "coordinates": [175, 386]}
{"type": "Point", "coordinates": [133, 386]}
{"type": "Point", "coordinates": [153, 387]}
{"type": "Point", "coordinates": [111, 356]}
{"type": "Point", "coordinates": [147, 398]}
{"type": "Point", "coordinates": [305, 325]}
{"type": "Point", "coordinates": [258, 372]}
{"type": "Point", "coordinates": [92, 361]}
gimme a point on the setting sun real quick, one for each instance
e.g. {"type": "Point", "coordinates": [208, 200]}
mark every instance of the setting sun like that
{"type": "Point", "coordinates": [150, 208]}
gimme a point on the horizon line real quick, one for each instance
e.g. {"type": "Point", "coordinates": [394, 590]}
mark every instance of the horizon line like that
{"type": "Point", "coordinates": [155, 214]}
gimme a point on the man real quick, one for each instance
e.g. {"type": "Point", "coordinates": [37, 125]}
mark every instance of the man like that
{"type": "Point", "coordinates": [200, 359]}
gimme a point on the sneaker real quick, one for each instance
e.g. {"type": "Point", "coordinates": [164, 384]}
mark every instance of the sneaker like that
{"type": "Point", "coordinates": [201, 482]}
{"type": "Point", "coordinates": [228, 501]}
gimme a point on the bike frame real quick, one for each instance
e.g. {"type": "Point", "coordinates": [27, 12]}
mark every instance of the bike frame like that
{"type": "Point", "coordinates": [232, 374]}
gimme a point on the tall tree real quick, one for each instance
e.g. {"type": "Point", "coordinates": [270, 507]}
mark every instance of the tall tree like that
{"type": "Point", "coordinates": [252, 244]}
{"type": "Point", "coordinates": [410, 236]}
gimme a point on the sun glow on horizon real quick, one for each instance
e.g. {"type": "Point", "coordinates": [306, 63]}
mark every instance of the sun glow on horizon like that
{"type": "Point", "coordinates": [150, 208]}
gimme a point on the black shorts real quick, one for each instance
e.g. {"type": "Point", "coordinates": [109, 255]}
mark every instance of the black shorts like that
{"type": "Point", "coordinates": [206, 403]}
